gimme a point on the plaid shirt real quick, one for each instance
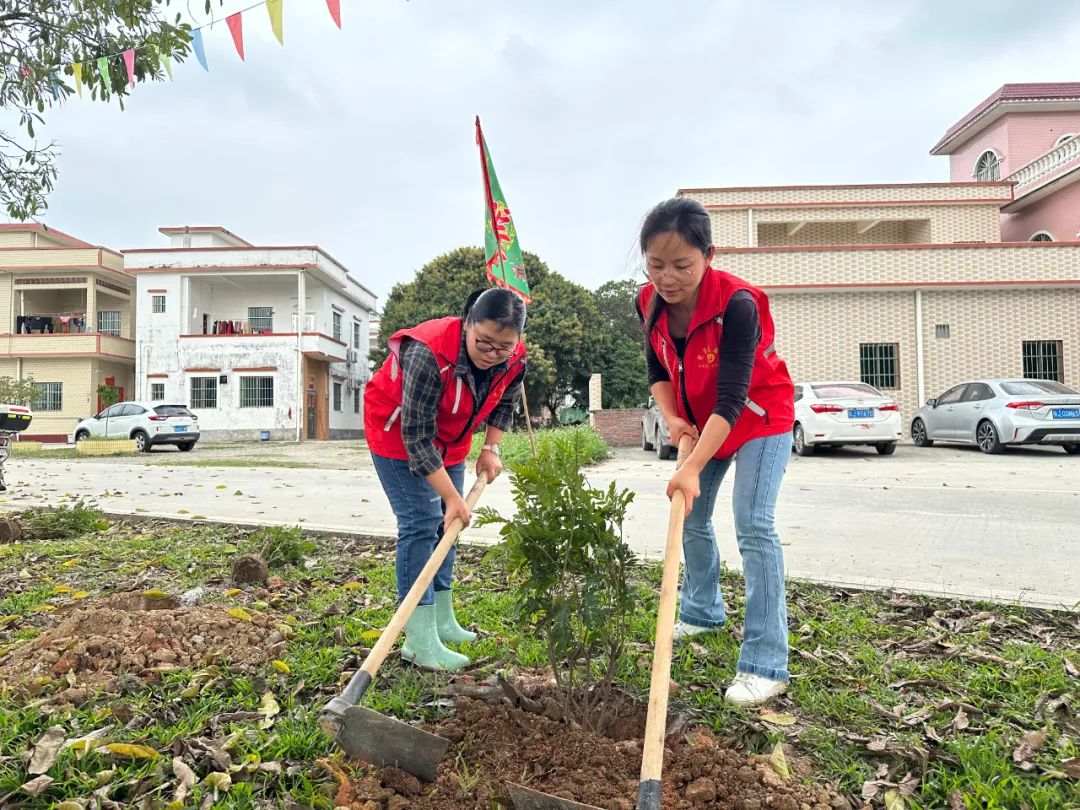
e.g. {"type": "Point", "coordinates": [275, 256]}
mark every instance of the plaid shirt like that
{"type": "Point", "coordinates": [421, 390]}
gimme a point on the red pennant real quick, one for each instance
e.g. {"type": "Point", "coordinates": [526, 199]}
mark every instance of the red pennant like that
{"type": "Point", "coordinates": [129, 63]}
{"type": "Point", "coordinates": [335, 10]}
{"type": "Point", "coordinates": [236, 26]}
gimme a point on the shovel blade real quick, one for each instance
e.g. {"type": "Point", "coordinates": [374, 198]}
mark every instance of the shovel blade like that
{"type": "Point", "coordinates": [380, 740]}
{"type": "Point", "coordinates": [527, 799]}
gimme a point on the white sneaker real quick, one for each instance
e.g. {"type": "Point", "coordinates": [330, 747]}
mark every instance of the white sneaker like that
{"type": "Point", "coordinates": [752, 690]}
{"type": "Point", "coordinates": [684, 630]}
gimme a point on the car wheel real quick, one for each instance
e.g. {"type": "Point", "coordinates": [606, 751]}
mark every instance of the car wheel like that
{"type": "Point", "coordinates": [646, 445]}
{"type": "Point", "coordinates": [886, 448]}
{"type": "Point", "coordinates": [663, 451]}
{"type": "Point", "coordinates": [799, 442]}
{"type": "Point", "coordinates": [82, 434]}
{"type": "Point", "coordinates": [186, 447]}
{"type": "Point", "coordinates": [919, 434]}
{"type": "Point", "coordinates": [1071, 449]}
{"type": "Point", "coordinates": [142, 441]}
{"type": "Point", "coordinates": [987, 437]}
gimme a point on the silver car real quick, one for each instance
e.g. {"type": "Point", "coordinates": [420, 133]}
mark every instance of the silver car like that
{"type": "Point", "coordinates": [994, 414]}
{"type": "Point", "coordinates": [654, 433]}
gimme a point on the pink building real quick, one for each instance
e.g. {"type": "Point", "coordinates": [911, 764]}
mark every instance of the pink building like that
{"type": "Point", "coordinates": [1025, 134]}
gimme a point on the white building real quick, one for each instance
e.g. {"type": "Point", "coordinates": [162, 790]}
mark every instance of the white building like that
{"type": "Point", "coordinates": [260, 342]}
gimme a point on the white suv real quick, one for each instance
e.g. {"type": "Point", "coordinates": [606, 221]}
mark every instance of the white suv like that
{"type": "Point", "coordinates": [145, 422]}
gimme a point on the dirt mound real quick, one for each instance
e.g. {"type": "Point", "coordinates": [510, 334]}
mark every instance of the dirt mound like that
{"type": "Point", "coordinates": [499, 743]}
{"type": "Point", "coordinates": [136, 635]}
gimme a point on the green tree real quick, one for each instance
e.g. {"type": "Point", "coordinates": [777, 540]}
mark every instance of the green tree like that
{"type": "Point", "coordinates": [559, 330]}
{"type": "Point", "coordinates": [621, 359]}
{"type": "Point", "coordinates": [40, 41]}
{"type": "Point", "coordinates": [19, 392]}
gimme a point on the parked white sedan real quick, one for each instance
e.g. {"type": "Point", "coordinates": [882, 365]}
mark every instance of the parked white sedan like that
{"type": "Point", "coordinates": [148, 423]}
{"type": "Point", "coordinates": [834, 414]}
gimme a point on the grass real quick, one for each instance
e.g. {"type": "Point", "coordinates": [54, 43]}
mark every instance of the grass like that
{"type": "Point", "coordinates": [516, 446]}
{"type": "Point", "coordinates": [885, 688]}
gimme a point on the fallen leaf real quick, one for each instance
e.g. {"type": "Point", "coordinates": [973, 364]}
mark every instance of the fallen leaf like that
{"type": "Point", "coordinates": [776, 718]}
{"type": "Point", "coordinates": [878, 744]}
{"type": "Point", "coordinates": [352, 586]}
{"type": "Point", "coordinates": [1071, 767]}
{"type": "Point", "coordinates": [281, 666]}
{"type": "Point", "coordinates": [80, 594]}
{"type": "Point", "coordinates": [68, 805]}
{"type": "Point", "coordinates": [155, 593]}
{"type": "Point", "coordinates": [271, 767]}
{"type": "Point", "coordinates": [187, 780]}
{"type": "Point", "coordinates": [233, 592]}
{"type": "Point", "coordinates": [83, 744]}
{"type": "Point", "coordinates": [1071, 668]}
{"type": "Point", "coordinates": [956, 801]}
{"type": "Point", "coordinates": [961, 721]}
{"type": "Point", "coordinates": [1030, 744]}
{"type": "Point", "coordinates": [221, 486]}
{"type": "Point", "coordinates": [371, 635]}
{"type": "Point", "coordinates": [35, 787]}
{"type": "Point", "coordinates": [894, 801]}
{"type": "Point", "coordinates": [218, 781]}
{"type": "Point", "coordinates": [70, 563]}
{"type": "Point", "coordinates": [104, 777]}
{"type": "Point", "coordinates": [779, 762]}
{"type": "Point", "coordinates": [133, 751]}
{"type": "Point", "coordinates": [46, 750]}
{"type": "Point", "coordinates": [269, 708]}
{"type": "Point", "coordinates": [62, 589]}
{"type": "Point", "coordinates": [240, 613]}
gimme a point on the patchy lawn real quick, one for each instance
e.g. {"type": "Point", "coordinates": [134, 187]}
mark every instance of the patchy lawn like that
{"type": "Point", "coordinates": [937, 704]}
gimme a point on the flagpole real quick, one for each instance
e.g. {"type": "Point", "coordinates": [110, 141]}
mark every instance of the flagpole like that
{"type": "Point", "coordinates": [502, 267]}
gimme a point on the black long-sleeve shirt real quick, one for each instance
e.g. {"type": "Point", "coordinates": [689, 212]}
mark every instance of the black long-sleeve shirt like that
{"type": "Point", "coordinates": [741, 335]}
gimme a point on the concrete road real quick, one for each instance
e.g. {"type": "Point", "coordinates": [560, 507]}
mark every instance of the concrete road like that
{"type": "Point", "coordinates": [945, 521]}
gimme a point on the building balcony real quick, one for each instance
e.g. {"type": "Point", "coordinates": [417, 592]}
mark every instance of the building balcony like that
{"type": "Point", "coordinates": [1041, 173]}
{"type": "Point", "coordinates": [49, 260]}
{"type": "Point", "coordinates": [311, 344]}
{"type": "Point", "coordinates": [75, 344]}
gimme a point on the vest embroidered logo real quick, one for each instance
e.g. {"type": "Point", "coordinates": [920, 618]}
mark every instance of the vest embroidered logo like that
{"type": "Point", "coordinates": [707, 357]}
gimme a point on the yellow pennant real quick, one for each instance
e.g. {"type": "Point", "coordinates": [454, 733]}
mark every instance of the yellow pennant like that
{"type": "Point", "coordinates": [77, 70]}
{"type": "Point", "coordinates": [273, 8]}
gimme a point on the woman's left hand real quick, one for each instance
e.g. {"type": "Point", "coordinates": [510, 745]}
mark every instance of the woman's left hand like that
{"type": "Point", "coordinates": [688, 481]}
{"type": "Point", "coordinates": [488, 465]}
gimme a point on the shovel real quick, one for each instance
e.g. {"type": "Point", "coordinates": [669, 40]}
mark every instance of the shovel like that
{"type": "Point", "coordinates": [367, 735]}
{"type": "Point", "coordinates": [652, 758]}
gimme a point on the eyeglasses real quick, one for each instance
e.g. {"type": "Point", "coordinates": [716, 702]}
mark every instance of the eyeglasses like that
{"type": "Point", "coordinates": [655, 274]}
{"type": "Point", "coordinates": [487, 347]}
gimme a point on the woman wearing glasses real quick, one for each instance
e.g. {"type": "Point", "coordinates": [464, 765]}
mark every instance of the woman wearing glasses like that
{"type": "Point", "coordinates": [715, 374]}
{"type": "Point", "coordinates": [442, 378]}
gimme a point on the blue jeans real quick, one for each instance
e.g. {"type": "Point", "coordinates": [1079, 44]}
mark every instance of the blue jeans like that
{"type": "Point", "coordinates": [759, 469]}
{"type": "Point", "coordinates": [419, 512]}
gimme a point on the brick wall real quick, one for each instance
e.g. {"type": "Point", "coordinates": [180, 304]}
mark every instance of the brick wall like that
{"type": "Point", "coordinates": [776, 195]}
{"type": "Point", "coordinates": [619, 427]}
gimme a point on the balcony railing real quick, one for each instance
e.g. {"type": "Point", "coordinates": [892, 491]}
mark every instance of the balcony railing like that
{"type": "Point", "coordinates": [1045, 168]}
{"type": "Point", "coordinates": [66, 345]}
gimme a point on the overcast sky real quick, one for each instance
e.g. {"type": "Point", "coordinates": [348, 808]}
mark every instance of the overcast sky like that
{"type": "Point", "coordinates": [361, 140]}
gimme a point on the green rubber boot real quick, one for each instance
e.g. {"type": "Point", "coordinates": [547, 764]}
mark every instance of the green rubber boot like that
{"type": "Point", "coordinates": [422, 646]}
{"type": "Point", "coordinates": [450, 631]}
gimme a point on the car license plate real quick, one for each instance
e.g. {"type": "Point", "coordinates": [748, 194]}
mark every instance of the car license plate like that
{"type": "Point", "coordinates": [1066, 413]}
{"type": "Point", "coordinates": [860, 413]}
{"type": "Point", "coordinates": [180, 428]}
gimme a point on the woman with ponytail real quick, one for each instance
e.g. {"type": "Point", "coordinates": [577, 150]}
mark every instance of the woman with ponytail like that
{"type": "Point", "coordinates": [443, 377]}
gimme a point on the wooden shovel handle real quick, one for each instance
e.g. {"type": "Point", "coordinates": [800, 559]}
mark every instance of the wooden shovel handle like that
{"type": "Point", "coordinates": [652, 760]}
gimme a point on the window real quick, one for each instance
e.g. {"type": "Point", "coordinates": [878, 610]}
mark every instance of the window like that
{"type": "Point", "coordinates": [878, 366]}
{"type": "Point", "coordinates": [942, 330]}
{"type": "Point", "coordinates": [952, 396]}
{"type": "Point", "coordinates": [1042, 236]}
{"type": "Point", "coordinates": [111, 412]}
{"type": "Point", "coordinates": [1068, 136]}
{"type": "Point", "coordinates": [1042, 360]}
{"type": "Point", "coordinates": [337, 396]}
{"type": "Point", "coordinates": [108, 323]}
{"type": "Point", "coordinates": [256, 392]}
{"type": "Point", "coordinates": [157, 392]}
{"type": "Point", "coordinates": [798, 392]}
{"type": "Point", "coordinates": [1033, 388]}
{"type": "Point", "coordinates": [261, 319]}
{"type": "Point", "coordinates": [337, 326]}
{"type": "Point", "coordinates": [988, 167]}
{"type": "Point", "coordinates": [172, 410]}
{"type": "Point", "coordinates": [131, 409]}
{"type": "Point", "coordinates": [356, 400]}
{"type": "Point", "coordinates": [204, 392]}
{"type": "Point", "coordinates": [356, 334]}
{"type": "Point", "coordinates": [843, 391]}
{"type": "Point", "coordinates": [51, 398]}
{"type": "Point", "coordinates": [977, 392]}
{"type": "Point", "coordinates": [159, 304]}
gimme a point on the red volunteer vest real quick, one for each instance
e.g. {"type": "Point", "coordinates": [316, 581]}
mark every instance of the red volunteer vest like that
{"type": "Point", "coordinates": [458, 413]}
{"type": "Point", "coordinates": [770, 405]}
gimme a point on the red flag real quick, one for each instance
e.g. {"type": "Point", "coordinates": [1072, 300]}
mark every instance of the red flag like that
{"type": "Point", "coordinates": [335, 10]}
{"type": "Point", "coordinates": [129, 62]}
{"type": "Point", "coordinates": [236, 26]}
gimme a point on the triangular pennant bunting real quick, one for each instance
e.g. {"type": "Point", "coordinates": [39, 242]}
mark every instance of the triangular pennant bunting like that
{"type": "Point", "coordinates": [76, 71]}
{"type": "Point", "coordinates": [103, 69]}
{"type": "Point", "coordinates": [236, 28]}
{"type": "Point", "coordinates": [166, 62]}
{"type": "Point", "coordinates": [273, 8]}
{"type": "Point", "coordinates": [200, 52]}
{"type": "Point", "coordinates": [335, 10]}
{"type": "Point", "coordinates": [129, 63]}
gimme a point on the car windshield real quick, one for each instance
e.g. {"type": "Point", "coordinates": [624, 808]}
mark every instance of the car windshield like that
{"type": "Point", "coordinates": [844, 390]}
{"type": "Point", "coordinates": [1035, 388]}
{"type": "Point", "coordinates": [172, 410]}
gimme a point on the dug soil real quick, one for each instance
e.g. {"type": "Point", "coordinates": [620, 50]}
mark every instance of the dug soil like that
{"type": "Point", "coordinates": [90, 646]}
{"type": "Point", "coordinates": [495, 743]}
